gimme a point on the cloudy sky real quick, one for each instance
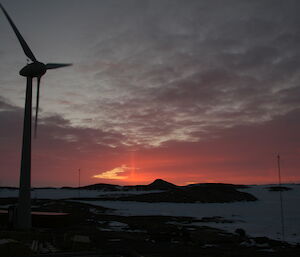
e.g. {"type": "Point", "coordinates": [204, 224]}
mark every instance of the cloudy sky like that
{"type": "Point", "coordinates": [187, 91]}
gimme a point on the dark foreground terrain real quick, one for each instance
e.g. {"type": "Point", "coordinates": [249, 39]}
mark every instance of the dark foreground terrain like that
{"type": "Point", "coordinates": [86, 230]}
{"type": "Point", "coordinates": [163, 191]}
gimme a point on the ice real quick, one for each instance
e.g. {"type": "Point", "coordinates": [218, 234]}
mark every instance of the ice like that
{"type": "Point", "coordinates": [258, 218]}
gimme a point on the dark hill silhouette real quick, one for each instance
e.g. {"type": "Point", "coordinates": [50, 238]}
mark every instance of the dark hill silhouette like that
{"type": "Point", "coordinates": [201, 192]}
{"type": "Point", "coordinates": [216, 185]}
{"type": "Point", "coordinates": [192, 195]}
{"type": "Point", "coordinates": [158, 184]}
{"type": "Point", "coordinates": [102, 187]}
{"type": "Point", "coordinates": [278, 188]}
{"type": "Point", "coordinates": [99, 186]}
{"type": "Point", "coordinates": [206, 192]}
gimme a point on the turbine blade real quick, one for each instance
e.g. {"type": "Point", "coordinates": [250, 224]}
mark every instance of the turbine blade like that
{"type": "Point", "coordinates": [23, 43]}
{"type": "Point", "coordinates": [37, 106]}
{"type": "Point", "coordinates": [50, 66]}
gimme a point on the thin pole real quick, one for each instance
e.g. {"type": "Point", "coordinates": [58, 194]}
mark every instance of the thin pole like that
{"type": "Point", "coordinates": [280, 195]}
{"type": "Point", "coordinates": [79, 183]}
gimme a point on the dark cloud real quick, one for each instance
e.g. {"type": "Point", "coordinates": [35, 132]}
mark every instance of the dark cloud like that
{"type": "Point", "coordinates": [58, 150]}
{"type": "Point", "coordinates": [241, 154]}
{"type": "Point", "coordinates": [148, 73]}
{"type": "Point", "coordinates": [216, 64]}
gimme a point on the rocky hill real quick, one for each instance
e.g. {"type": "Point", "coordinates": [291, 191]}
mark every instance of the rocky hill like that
{"type": "Point", "coordinates": [102, 187]}
{"type": "Point", "coordinates": [158, 184]}
{"type": "Point", "coordinates": [206, 193]}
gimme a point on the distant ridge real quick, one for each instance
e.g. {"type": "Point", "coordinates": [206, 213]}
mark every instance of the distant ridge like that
{"type": "Point", "coordinates": [102, 187]}
{"type": "Point", "coordinates": [157, 184]}
{"type": "Point", "coordinates": [216, 185]}
{"type": "Point", "coordinates": [163, 191]}
{"type": "Point", "coordinates": [160, 184]}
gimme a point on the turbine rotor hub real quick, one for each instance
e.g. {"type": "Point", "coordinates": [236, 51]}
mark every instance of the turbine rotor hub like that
{"type": "Point", "coordinates": [32, 70]}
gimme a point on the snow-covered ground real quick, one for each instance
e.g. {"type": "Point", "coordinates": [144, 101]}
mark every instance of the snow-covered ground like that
{"type": "Point", "coordinates": [259, 218]}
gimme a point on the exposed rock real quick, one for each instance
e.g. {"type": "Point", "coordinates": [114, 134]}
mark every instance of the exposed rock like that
{"type": "Point", "coordinates": [216, 185]}
{"type": "Point", "coordinates": [158, 184]}
{"type": "Point", "coordinates": [209, 193]}
{"type": "Point", "coordinates": [278, 188]}
{"type": "Point", "coordinates": [102, 187]}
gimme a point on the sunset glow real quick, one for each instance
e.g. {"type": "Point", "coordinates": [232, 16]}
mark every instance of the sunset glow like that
{"type": "Point", "coordinates": [186, 91]}
{"type": "Point", "coordinates": [114, 173]}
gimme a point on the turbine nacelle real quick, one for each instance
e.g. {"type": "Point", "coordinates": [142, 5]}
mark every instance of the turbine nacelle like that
{"type": "Point", "coordinates": [38, 69]}
{"type": "Point", "coordinates": [33, 70]}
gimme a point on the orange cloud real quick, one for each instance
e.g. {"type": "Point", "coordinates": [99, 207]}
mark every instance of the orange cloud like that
{"type": "Point", "coordinates": [114, 173]}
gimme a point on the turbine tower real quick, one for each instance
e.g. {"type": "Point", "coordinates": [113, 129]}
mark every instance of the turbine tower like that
{"type": "Point", "coordinates": [35, 69]}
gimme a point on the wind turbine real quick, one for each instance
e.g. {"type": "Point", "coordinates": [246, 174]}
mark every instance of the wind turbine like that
{"type": "Point", "coordinates": [35, 69]}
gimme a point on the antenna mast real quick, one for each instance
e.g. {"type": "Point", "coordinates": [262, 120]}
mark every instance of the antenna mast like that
{"type": "Point", "coordinates": [280, 195]}
{"type": "Point", "coordinates": [79, 183]}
